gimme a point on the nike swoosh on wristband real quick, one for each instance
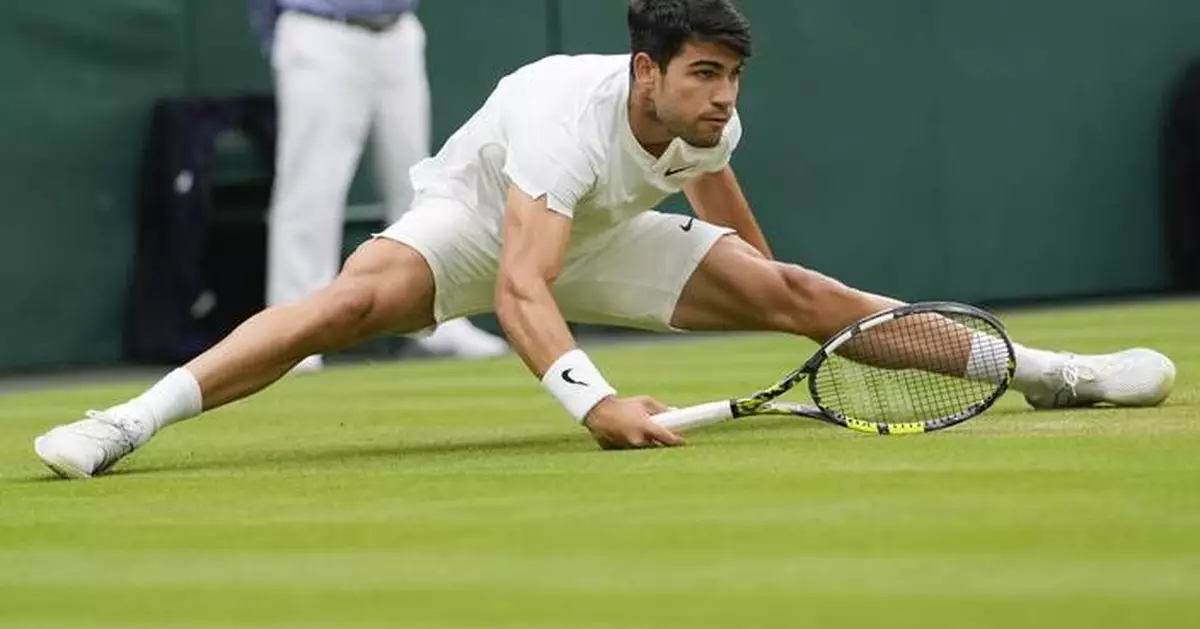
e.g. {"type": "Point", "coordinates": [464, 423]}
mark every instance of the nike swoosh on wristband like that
{"type": "Point", "coordinates": [566, 376]}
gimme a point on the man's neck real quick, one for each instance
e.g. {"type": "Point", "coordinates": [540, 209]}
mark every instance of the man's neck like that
{"type": "Point", "coordinates": [646, 128]}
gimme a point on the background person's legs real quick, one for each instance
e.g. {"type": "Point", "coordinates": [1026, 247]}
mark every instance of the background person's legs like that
{"type": "Point", "coordinates": [402, 117]}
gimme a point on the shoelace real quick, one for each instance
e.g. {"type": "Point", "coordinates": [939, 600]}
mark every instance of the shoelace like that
{"type": "Point", "coordinates": [1072, 373]}
{"type": "Point", "coordinates": [124, 438]}
{"type": "Point", "coordinates": [1070, 376]}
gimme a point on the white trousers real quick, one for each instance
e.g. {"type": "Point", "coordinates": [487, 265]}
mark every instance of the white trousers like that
{"type": "Point", "coordinates": [336, 85]}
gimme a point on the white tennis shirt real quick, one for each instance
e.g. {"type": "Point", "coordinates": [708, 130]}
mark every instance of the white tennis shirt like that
{"type": "Point", "coordinates": [560, 127]}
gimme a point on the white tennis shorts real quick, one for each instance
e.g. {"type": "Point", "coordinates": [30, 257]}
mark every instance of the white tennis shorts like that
{"type": "Point", "coordinates": [630, 275]}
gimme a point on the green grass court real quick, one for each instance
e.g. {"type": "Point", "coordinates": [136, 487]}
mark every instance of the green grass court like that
{"type": "Point", "coordinates": [442, 494]}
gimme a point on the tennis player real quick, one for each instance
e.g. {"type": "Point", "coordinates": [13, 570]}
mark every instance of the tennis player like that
{"type": "Point", "coordinates": [540, 207]}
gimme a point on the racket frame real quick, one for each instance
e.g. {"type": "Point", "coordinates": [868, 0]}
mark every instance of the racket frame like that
{"type": "Point", "coordinates": [763, 402]}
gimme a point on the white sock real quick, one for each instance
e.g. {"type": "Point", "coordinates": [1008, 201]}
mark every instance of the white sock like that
{"type": "Point", "coordinates": [1032, 364]}
{"type": "Point", "coordinates": [174, 398]}
{"type": "Point", "coordinates": [988, 358]}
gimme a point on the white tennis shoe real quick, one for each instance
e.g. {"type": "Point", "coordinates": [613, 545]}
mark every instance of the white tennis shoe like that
{"type": "Point", "coordinates": [91, 445]}
{"type": "Point", "coordinates": [461, 339]}
{"type": "Point", "coordinates": [1134, 377]}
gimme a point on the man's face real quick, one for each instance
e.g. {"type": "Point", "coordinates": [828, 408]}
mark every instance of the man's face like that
{"type": "Point", "coordinates": [696, 95]}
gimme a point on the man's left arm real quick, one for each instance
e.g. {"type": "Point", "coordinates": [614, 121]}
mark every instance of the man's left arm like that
{"type": "Point", "coordinates": [717, 199]}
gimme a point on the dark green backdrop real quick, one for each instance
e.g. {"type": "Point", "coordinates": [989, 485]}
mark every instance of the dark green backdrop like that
{"type": "Point", "coordinates": [965, 149]}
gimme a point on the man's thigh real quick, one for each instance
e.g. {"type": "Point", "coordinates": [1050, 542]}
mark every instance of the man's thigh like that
{"type": "Point", "coordinates": [728, 290]}
{"type": "Point", "coordinates": [633, 274]}
{"type": "Point", "coordinates": [396, 280]}
{"type": "Point", "coordinates": [736, 288]}
{"type": "Point", "coordinates": [461, 249]}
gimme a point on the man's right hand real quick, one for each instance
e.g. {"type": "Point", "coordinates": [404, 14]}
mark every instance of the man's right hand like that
{"type": "Point", "coordinates": [622, 423]}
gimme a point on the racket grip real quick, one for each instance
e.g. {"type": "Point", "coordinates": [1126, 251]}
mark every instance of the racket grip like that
{"type": "Point", "coordinates": [695, 416]}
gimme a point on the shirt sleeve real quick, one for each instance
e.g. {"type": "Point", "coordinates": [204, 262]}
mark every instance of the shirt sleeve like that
{"type": "Point", "coordinates": [549, 159]}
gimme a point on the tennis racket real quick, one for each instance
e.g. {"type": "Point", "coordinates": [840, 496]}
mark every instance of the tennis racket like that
{"type": "Point", "coordinates": [910, 369]}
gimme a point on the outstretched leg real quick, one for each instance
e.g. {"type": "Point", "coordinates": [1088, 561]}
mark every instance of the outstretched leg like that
{"type": "Point", "coordinates": [736, 288]}
{"type": "Point", "coordinates": [385, 286]}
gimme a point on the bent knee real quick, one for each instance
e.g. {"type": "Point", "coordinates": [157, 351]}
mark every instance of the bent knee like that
{"type": "Point", "coordinates": [347, 304]}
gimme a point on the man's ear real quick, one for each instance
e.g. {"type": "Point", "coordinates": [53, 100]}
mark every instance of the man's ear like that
{"type": "Point", "coordinates": [645, 70]}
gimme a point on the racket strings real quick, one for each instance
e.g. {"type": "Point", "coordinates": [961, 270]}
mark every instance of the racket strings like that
{"type": "Point", "coordinates": [917, 368]}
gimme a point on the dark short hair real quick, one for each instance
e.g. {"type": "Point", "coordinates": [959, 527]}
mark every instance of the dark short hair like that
{"type": "Point", "coordinates": [660, 28]}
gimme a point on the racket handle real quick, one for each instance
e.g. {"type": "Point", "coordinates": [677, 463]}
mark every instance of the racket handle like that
{"type": "Point", "coordinates": [695, 416]}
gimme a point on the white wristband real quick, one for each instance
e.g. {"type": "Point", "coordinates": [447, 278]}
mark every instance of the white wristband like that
{"type": "Point", "coordinates": [576, 383]}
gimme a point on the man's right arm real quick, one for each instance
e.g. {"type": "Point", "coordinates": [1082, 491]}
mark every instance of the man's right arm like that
{"type": "Point", "coordinates": [532, 255]}
{"type": "Point", "coordinates": [535, 243]}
